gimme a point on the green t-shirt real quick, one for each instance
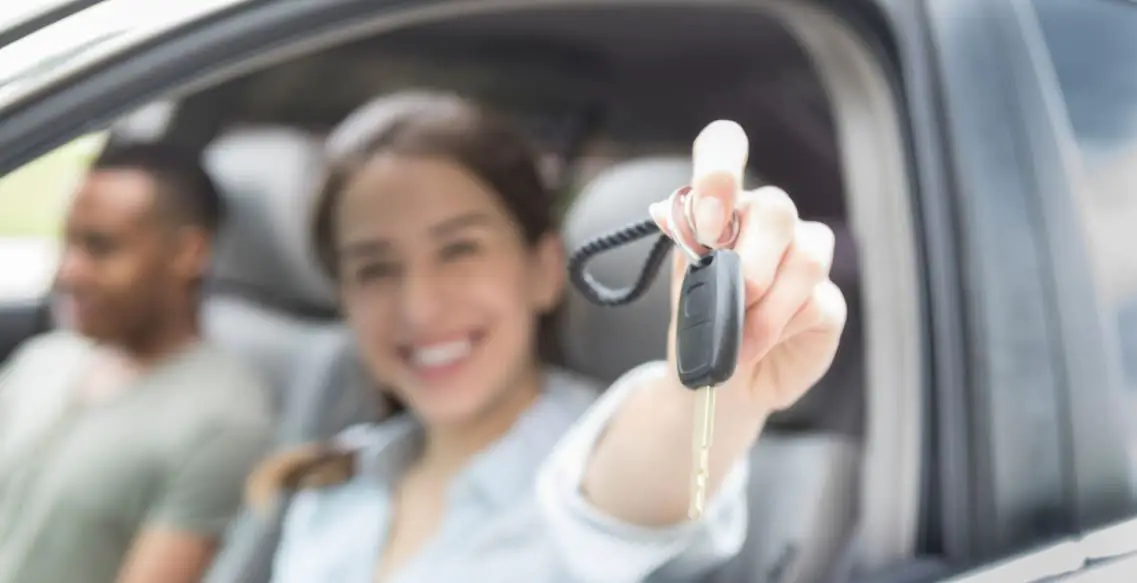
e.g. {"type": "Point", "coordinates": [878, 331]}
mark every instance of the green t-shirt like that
{"type": "Point", "coordinates": [79, 482]}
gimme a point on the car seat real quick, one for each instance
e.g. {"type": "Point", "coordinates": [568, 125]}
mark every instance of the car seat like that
{"type": "Point", "coordinates": [269, 303]}
{"type": "Point", "coordinates": [266, 300]}
{"type": "Point", "coordinates": [804, 470]}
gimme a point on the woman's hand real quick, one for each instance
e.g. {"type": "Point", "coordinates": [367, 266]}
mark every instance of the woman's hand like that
{"type": "Point", "coordinates": [640, 469]}
{"type": "Point", "coordinates": [794, 313]}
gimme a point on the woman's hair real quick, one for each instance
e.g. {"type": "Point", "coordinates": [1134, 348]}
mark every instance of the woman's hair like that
{"type": "Point", "coordinates": [312, 465]}
{"type": "Point", "coordinates": [435, 125]}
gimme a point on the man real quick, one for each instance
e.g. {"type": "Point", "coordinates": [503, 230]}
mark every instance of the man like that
{"type": "Point", "coordinates": [124, 444]}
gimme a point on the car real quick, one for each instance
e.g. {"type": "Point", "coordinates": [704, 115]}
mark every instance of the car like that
{"type": "Point", "coordinates": [976, 159]}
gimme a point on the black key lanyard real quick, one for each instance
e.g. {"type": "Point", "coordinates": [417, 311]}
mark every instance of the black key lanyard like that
{"type": "Point", "coordinates": [709, 330]}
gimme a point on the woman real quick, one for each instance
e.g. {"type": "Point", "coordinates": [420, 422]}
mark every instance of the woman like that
{"type": "Point", "coordinates": [436, 226]}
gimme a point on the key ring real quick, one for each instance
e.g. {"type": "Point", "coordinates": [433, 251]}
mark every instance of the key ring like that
{"type": "Point", "coordinates": [684, 231]}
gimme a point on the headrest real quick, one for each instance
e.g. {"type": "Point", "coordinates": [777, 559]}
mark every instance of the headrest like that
{"type": "Point", "coordinates": [267, 177]}
{"type": "Point", "coordinates": [604, 342]}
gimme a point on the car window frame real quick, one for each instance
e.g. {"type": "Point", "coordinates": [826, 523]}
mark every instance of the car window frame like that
{"type": "Point", "coordinates": [44, 13]}
{"type": "Point", "coordinates": [988, 241]}
{"type": "Point", "coordinates": [1107, 550]}
{"type": "Point", "coordinates": [26, 68]}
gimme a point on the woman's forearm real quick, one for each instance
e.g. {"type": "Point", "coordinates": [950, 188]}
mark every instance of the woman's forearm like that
{"type": "Point", "coordinates": [640, 469]}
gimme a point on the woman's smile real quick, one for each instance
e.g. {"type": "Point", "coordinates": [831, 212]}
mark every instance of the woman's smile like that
{"type": "Point", "coordinates": [438, 360]}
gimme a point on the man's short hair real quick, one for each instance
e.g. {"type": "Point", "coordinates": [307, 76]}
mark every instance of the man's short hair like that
{"type": "Point", "coordinates": [183, 186]}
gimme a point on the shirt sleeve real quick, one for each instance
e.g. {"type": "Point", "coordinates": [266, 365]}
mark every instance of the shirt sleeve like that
{"type": "Point", "coordinates": [595, 547]}
{"type": "Point", "coordinates": [26, 375]}
{"type": "Point", "coordinates": [204, 492]}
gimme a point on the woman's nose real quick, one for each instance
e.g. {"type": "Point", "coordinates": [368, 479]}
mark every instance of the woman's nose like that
{"type": "Point", "coordinates": [423, 293]}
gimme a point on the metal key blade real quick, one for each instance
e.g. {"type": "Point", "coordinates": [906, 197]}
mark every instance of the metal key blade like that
{"type": "Point", "coordinates": [704, 427]}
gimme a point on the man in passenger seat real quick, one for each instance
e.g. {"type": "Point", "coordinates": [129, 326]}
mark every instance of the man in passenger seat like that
{"type": "Point", "coordinates": [124, 442]}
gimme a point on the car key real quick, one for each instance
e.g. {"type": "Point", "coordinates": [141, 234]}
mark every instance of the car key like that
{"type": "Point", "coordinates": [708, 337]}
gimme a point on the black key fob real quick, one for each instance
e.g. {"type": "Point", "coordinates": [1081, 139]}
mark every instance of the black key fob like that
{"type": "Point", "coordinates": [710, 316]}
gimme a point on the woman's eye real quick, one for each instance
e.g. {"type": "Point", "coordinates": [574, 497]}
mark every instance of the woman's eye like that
{"type": "Point", "coordinates": [459, 250]}
{"type": "Point", "coordinates": [373, 271]}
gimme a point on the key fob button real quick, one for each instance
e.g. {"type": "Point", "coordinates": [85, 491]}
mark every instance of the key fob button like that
{"type": "Point", "coordinates": [696, 301]}
{"type": "Point", "coordinates": [693, 349]}
{"type": "Point", "coordinates": [710, 314]}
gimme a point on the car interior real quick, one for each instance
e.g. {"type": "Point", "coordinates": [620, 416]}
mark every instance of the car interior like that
{"type": "Point", "coordinates": [613, 99]}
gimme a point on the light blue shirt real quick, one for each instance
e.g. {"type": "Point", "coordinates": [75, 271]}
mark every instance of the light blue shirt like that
{"type": "Point", "coordinates": [514, 515]}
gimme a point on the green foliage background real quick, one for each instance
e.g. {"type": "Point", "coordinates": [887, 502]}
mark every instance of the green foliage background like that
{"type": "Point", "coordinates": [34, 197]}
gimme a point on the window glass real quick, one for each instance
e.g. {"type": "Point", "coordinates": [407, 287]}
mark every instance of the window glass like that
{"type": "Point", "coordinates": [1093, 46]}
{"type": "Point", "coordinates": [33, 200]}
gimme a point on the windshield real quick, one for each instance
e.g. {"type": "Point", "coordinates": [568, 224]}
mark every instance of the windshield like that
{"type": "Point", "coordinates": [90, 32]}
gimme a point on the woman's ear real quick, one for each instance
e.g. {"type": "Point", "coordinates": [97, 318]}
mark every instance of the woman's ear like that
{"type": "Point", "coordinates": [549, 272]}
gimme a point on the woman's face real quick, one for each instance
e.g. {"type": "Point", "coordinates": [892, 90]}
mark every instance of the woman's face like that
{"type": "Point", "coordinates": [440, 286]}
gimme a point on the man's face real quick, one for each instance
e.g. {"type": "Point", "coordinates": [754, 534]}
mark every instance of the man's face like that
{"type": "Point", "coordinates": [117, 269]}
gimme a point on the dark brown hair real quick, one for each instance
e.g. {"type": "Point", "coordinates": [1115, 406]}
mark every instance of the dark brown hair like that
{"type": "Point", "coordinates": [439, 125]}
{"type": "Point", "coordinates": [185, 188]}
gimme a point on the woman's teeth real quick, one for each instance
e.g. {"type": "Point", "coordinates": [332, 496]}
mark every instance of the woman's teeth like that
{"type": "Point", "coordinates": [441, 354]}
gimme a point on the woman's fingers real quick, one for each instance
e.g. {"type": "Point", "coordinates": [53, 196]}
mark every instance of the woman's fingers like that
{"type": "Point", "coordinates": [794, 312]}
{"type": "Point", "coordinates": [719, 159]}
{"type": "Point", "coordinates": [783, 291]}
{"type": "Point", "coordinates": [768, 223]}
{"type": "Point", "coordinates": [823, 314]}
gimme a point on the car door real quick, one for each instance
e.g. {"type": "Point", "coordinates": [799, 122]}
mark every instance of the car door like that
{"type": "Point", "coordinates": [1000, 484]}
{"type": "Point", "coordinates": [1027, 92]}
{"type": "Point", "coordinates": [1028, 449]}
